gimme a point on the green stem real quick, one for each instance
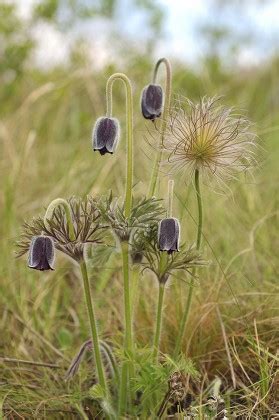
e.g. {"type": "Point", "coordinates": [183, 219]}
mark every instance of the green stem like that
{"type": "Point", "coordinates": [162, 264]}
{"type": "Point", "coordinates": [66, 206]}
{"type": "Point", "coordinates": [199, 201]}
{"type": "Point", "coordinates": [170, 197]}
{"type": "Point", "coordinates": [127, 297]}
{"type": "Point", "coordinates": [123, 397]}
{"type": "Point", "coordinates": [93, 327]}
{"type": "Point", "coordinates": [129, 133]}
{"type": "Point", "coordinates": [134, 288]}
{"type": "Point", "coordinates": [158, 322]}
{"type": "Point", "coordinates": [110, 356]}
{"type": "Point", "coordinates": [185, 316]}
{"type": "Point", "coordinates": [156, 167]}
{"type": "Point", "coordinates": [127, 368]}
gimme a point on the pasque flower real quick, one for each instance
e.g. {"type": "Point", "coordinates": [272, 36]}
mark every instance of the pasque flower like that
{"type": "Point", "coordinates": [208, 137]}
{"type": "Point", "coordinates": [72, 225]}
{"type": "Point", "coordinates": [41, 253]}
{"type": "Point", "coordinates": [168, 235]}
{"type": "Point", "coordinates": [106, 135]}
{"type": "Point", "coordinates": [88, 230]}
{"type": "Point", "coordinates": [147, 242]}
{"type": "Point", "coordinates": [152, 101]}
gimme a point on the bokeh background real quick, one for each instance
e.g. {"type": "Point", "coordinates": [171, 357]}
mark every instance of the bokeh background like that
{"type": "Point", "coordinates": [55, 57]}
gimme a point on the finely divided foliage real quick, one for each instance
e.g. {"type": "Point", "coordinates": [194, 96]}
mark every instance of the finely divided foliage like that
{"type": "Point", "coordinates": [145, 243]}
{"type": "Point", "coordinates": [88, 228]}
{"type": "Point", "coordinates": [143, 212]}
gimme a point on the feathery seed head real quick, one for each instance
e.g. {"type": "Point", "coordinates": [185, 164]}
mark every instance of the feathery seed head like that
{"type": "Point", "coordinates": [209, 137]}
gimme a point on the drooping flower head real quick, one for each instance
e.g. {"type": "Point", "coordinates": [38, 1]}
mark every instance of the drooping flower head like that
{"type": "Point", "coordinates": [164, 236]}
{"type": "Point", "coordinates": [209, 137]}
{"type": "Point", "coordinates": [105, 135]}
{"type": "Point", "coordinates": [39, 238]}
{"type": "Point", "coordinates": [152, 101]}
{"type": "Point", "coordinates": [168, 235]}
{"type": "Point", "coordinates": [41, 253]}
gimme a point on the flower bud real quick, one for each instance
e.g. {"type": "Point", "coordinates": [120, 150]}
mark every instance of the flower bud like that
{"type": "Point", "coordinates": [152, 101]}
{"type": "Point", "coordinates": [41, 253]}
{"type": "Point", "coordinates": [105, 135]}
{"type": "Point", "coordinates": [168, 235]}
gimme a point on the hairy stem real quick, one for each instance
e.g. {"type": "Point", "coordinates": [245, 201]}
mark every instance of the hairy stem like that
{"type": "Point", "coordinates": [186, 312]}
{"type": "Point", "coordinates": [93, 327]}
{"type": "Point", "coordinates": [123, 397]}
{"type": "Point", "coordinates": [129, 133]}
{"type": "Point", "coordinates": [163, 262]}
{"type": "Point", "coordinates": [200, 209]}
{"type": "Point", "coordinates": [127, 368]}
{"type": "Point", "coordinates": [170, 197]}
{"type": "Point", "coordinates": [66, 206]}
{"type": "Point", "coordinates": [156, 167]}
{"type": "Point", "coordinates": [158, 322]}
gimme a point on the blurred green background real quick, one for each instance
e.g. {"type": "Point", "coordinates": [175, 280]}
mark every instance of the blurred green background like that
{"type": "Point", "coordinates": [55, 57]}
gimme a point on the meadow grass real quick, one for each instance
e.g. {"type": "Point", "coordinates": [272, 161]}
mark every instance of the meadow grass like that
{"type": "Point", "coordinates": [232, 334]}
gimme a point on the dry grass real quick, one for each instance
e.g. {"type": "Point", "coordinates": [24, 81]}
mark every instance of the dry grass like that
{"type": "Point", "coordinates": [45, 153]}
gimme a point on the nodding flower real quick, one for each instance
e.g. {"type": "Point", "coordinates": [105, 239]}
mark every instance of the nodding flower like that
{"type": "Point", "coordinates": [41, 253]}
{"type": "Point", "coordinates": [168, 235]}
{"type": "Point", "coordinates": [152, 102]}
{"type": "Point", "coordinates": [106, 135]}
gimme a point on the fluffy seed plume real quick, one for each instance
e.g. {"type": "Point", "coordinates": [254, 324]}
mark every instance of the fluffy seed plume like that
{"type": "Point", "coordinates": [209, 137]}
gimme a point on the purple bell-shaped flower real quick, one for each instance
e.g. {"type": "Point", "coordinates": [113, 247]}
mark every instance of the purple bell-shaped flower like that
{"type": "Point", "coordinates": [41, 253]}
{"type": "Point", "coordinates": [106, 135]}
{"type": "Point", "coordinates": [152, 101]}
{"type": "Point", "coordinates": [168, 235]}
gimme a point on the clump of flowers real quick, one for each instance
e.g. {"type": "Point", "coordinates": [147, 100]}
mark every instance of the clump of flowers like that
{"type": "Point", "coordinates": [209, 137]}
{"type": "Point", "coordinates": [201, 139]}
